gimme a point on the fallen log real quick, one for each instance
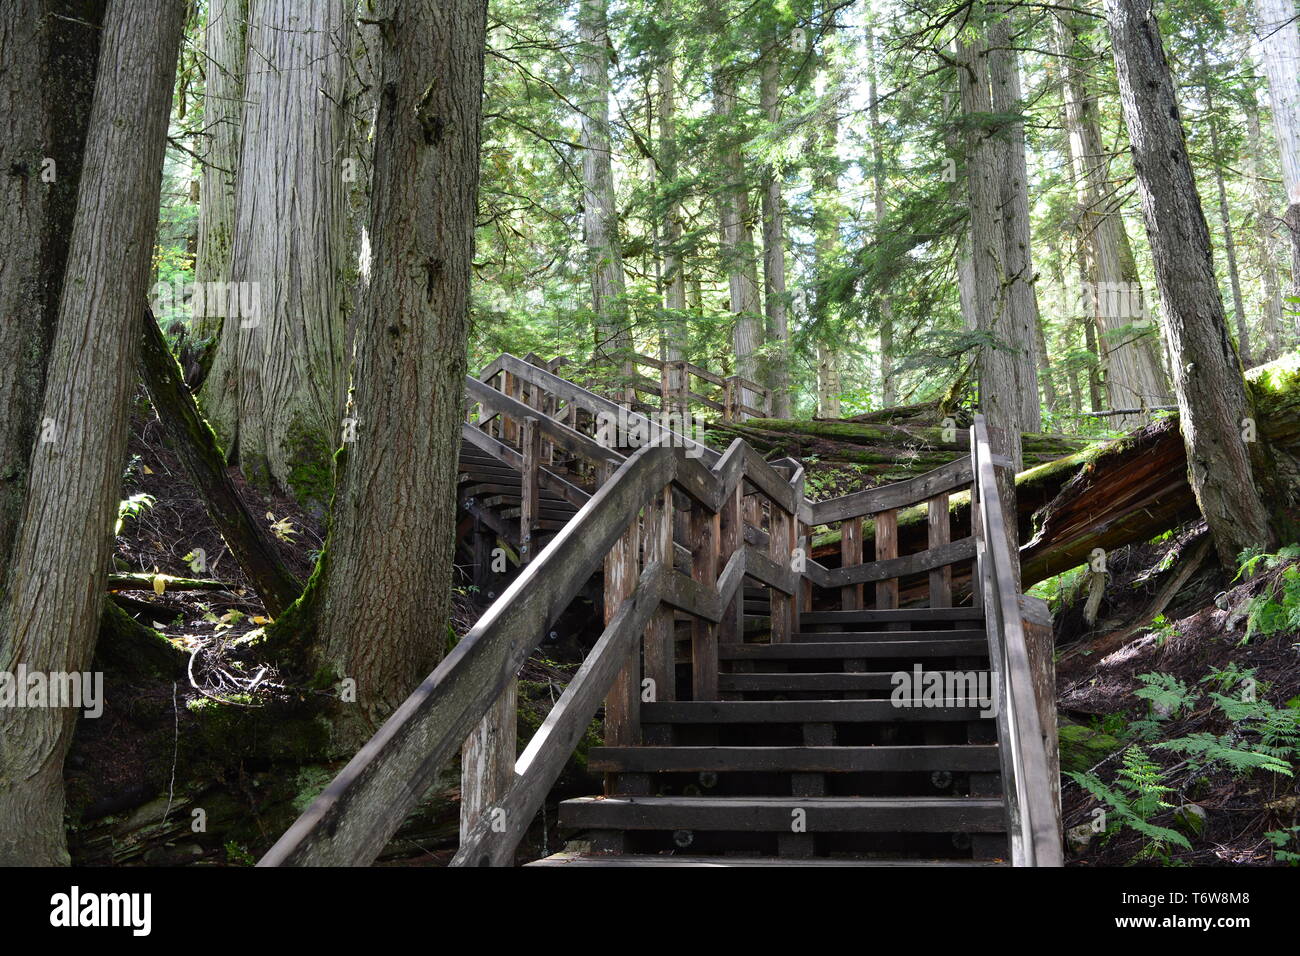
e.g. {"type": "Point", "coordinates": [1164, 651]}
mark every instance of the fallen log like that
{"type": "Point", "coordinates": [194, 443]}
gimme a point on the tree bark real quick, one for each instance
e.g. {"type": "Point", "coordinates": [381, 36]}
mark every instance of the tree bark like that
{"type": "Point", "coordinates": [383, 612]}
{"type": "Point", "coordinates": [276, 389]}
{"type": "Point", "coordinates": [774, 291]}
{"type": "Point", "coordinates": [48, 50]}
{"type": "Point", "coordinates": [676, 325]}
{"type": "Point", "coordinates": [223, 94]}
{"type": "Point", "coordinates": [1212, 398]}
{"type": "Point", "coordinates": [60, 560]}
{"type": "Point", "coordinates": [1280, 44]}
{"type": "Point", "coordinates": [885, 303]}
{"type": "Point", "coordinates": [1266, 246]}
{"type": "Point", "coordinates": [1020, 278]}
{"type": "Point", "coordinates": [999, 378]}
{"type": "Point", "coordinates": [737, 238]}
{"type": "Point", "coordinates": [1127, 346]}
{"type": "Point", "coordinates": [600, 214]}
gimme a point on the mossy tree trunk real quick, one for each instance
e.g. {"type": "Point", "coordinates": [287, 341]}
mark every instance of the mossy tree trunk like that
{"type": "Point", "coordinates": [275, 393]}
{"type": "Point", "coordinates": [60, 561]}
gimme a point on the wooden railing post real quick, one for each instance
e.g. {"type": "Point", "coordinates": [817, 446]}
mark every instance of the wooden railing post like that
{"type": "Point", "coordinates": [731, 528]}
{"type": "Point", "coordinates": [530, 441]}
{"type": "Point", "coordinates": [1036, 621]}
{"type": "Point", "coordinates": [887, 549]}
{"type": "Point", "coordinates": [850, 557]}
{"type": "Point", "coordinates": [780, 543]}
{"type": "Point", "coordinates": [705, 535]}
{"type": "Point", "coordinates": [622, 568]}
{"type": "Point", "coordinates": [939, 533]}
{"type": "Point", "coordinates": [660, 643]}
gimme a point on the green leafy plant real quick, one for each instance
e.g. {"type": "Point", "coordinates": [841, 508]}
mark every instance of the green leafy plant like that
{"type": "Point", "coordinates": [1137, 796]}
{"type": "Point", "coordinates": [1281, 839]}
{"type": "Point", "coordinates": [132, 507]}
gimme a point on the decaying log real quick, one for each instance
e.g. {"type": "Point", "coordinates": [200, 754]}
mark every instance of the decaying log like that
{"type": "Point", "coordinates": [193, 441]}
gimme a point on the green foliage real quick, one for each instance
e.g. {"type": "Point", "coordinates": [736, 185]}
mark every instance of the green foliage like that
{"type": "Point", "coordinates": [1137, 795]}
{"type": "Point", "coordinates": [132, 507]}
{"type": "Point", "coordinates": [1281, 839]}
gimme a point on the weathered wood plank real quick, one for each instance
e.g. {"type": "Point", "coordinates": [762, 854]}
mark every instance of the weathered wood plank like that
{"type": "Point", "coordinates": [945, 478]}
{"type": "Point", "coordinates": [961, 550]}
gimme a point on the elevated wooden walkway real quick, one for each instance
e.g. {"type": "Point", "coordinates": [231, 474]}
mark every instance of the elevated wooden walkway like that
{"type": "Point", "coordinates": [760, 707]}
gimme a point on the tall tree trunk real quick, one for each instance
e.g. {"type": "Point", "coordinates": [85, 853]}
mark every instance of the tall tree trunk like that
{"type": "Point", "coordinates": [1266, 246]}
{"type": "Point", "coordinates": [275, 393]}
{"type": "Point", "coordinates": [676, 327]}
{"type": "Point", "coordinates": [47, 72]}
{"type": "Point", "coordinates": [1021, 297]}
{"type": "Point", "coordinates": [885, 303]}
{"type": "Point", "coordinates": [223, 95]}
{"type": "Point", "coordinates": [737, 237]}
{"type": "Point", "coordinates": [1212, 398]}
{"type": "Point", "coordinates": [600, 215]}
{"type": "Point", "coordinates": [1229, 244]}
{"type": "Point", "coordinates": [999, 378]}
{"type": "Point", "coordinates": [1129, 350]}
{"type": "Point", "coordinates": [383, 613]}
{"type": "Point", "coordinates": [1280, 45]}
{"type": "Point", "coordinates": [59, 569]}
{"type": "Point", "coordinates": [774, 292]}
{"type": "Point", "coordinates": [826, 225]}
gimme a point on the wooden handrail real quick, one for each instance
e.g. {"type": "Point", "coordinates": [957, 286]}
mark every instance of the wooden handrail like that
{"type": "Point", "coordinates": [1027, 782]}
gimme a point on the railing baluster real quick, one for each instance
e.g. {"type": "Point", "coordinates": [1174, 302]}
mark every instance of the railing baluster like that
{"type": "Point", "coordinates": [851, 556]}
{"type": "Point", "coordinates": [622, 568]}
{"type": "Point", "coordinates": [530, 441]}
{"type": "Point", "coordinates": [940, 533]}
{"type": "Point", "coordinates": [779, 546]}
{"type": "Point", "coordinates": [705, 536]}
{"type": "Point", "coordinates": [731, 528]}
{"type": "Point", "coordinates": [886, 549]}
{"type": "Point", "coordinates": [660, 643]}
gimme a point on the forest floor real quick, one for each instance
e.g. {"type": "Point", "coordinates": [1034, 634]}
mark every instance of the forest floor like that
{"type": "Point", "coordinates": [1194, 701]}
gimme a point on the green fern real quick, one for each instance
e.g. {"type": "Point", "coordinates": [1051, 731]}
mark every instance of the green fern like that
{"type": "Point", "coordinates": [1138, 795]}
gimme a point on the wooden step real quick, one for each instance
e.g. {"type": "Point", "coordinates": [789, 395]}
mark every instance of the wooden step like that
{"type": "Point", "coordinates": [668, 859]}
{"type": "Point", "coordinates": [906, 615]}
{"type": "Point", "coordinates": [774, 814]}
{"type": "Point", "coordinates": [821, 682]}
{"type": "Point", "coordinates": [795, 712]}
{"type": "Point", "coordinates": [902, 759]}
{"type": "Point", "coordinates": [804, 637]}
{"type": "Point", "coordinates": [971, 647]}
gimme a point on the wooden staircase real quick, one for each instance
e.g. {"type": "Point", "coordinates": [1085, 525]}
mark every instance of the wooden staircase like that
{"type": "Point", "coordinates": [807, 760]}
{"type": "Point", "coordinates": [760, 707]}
